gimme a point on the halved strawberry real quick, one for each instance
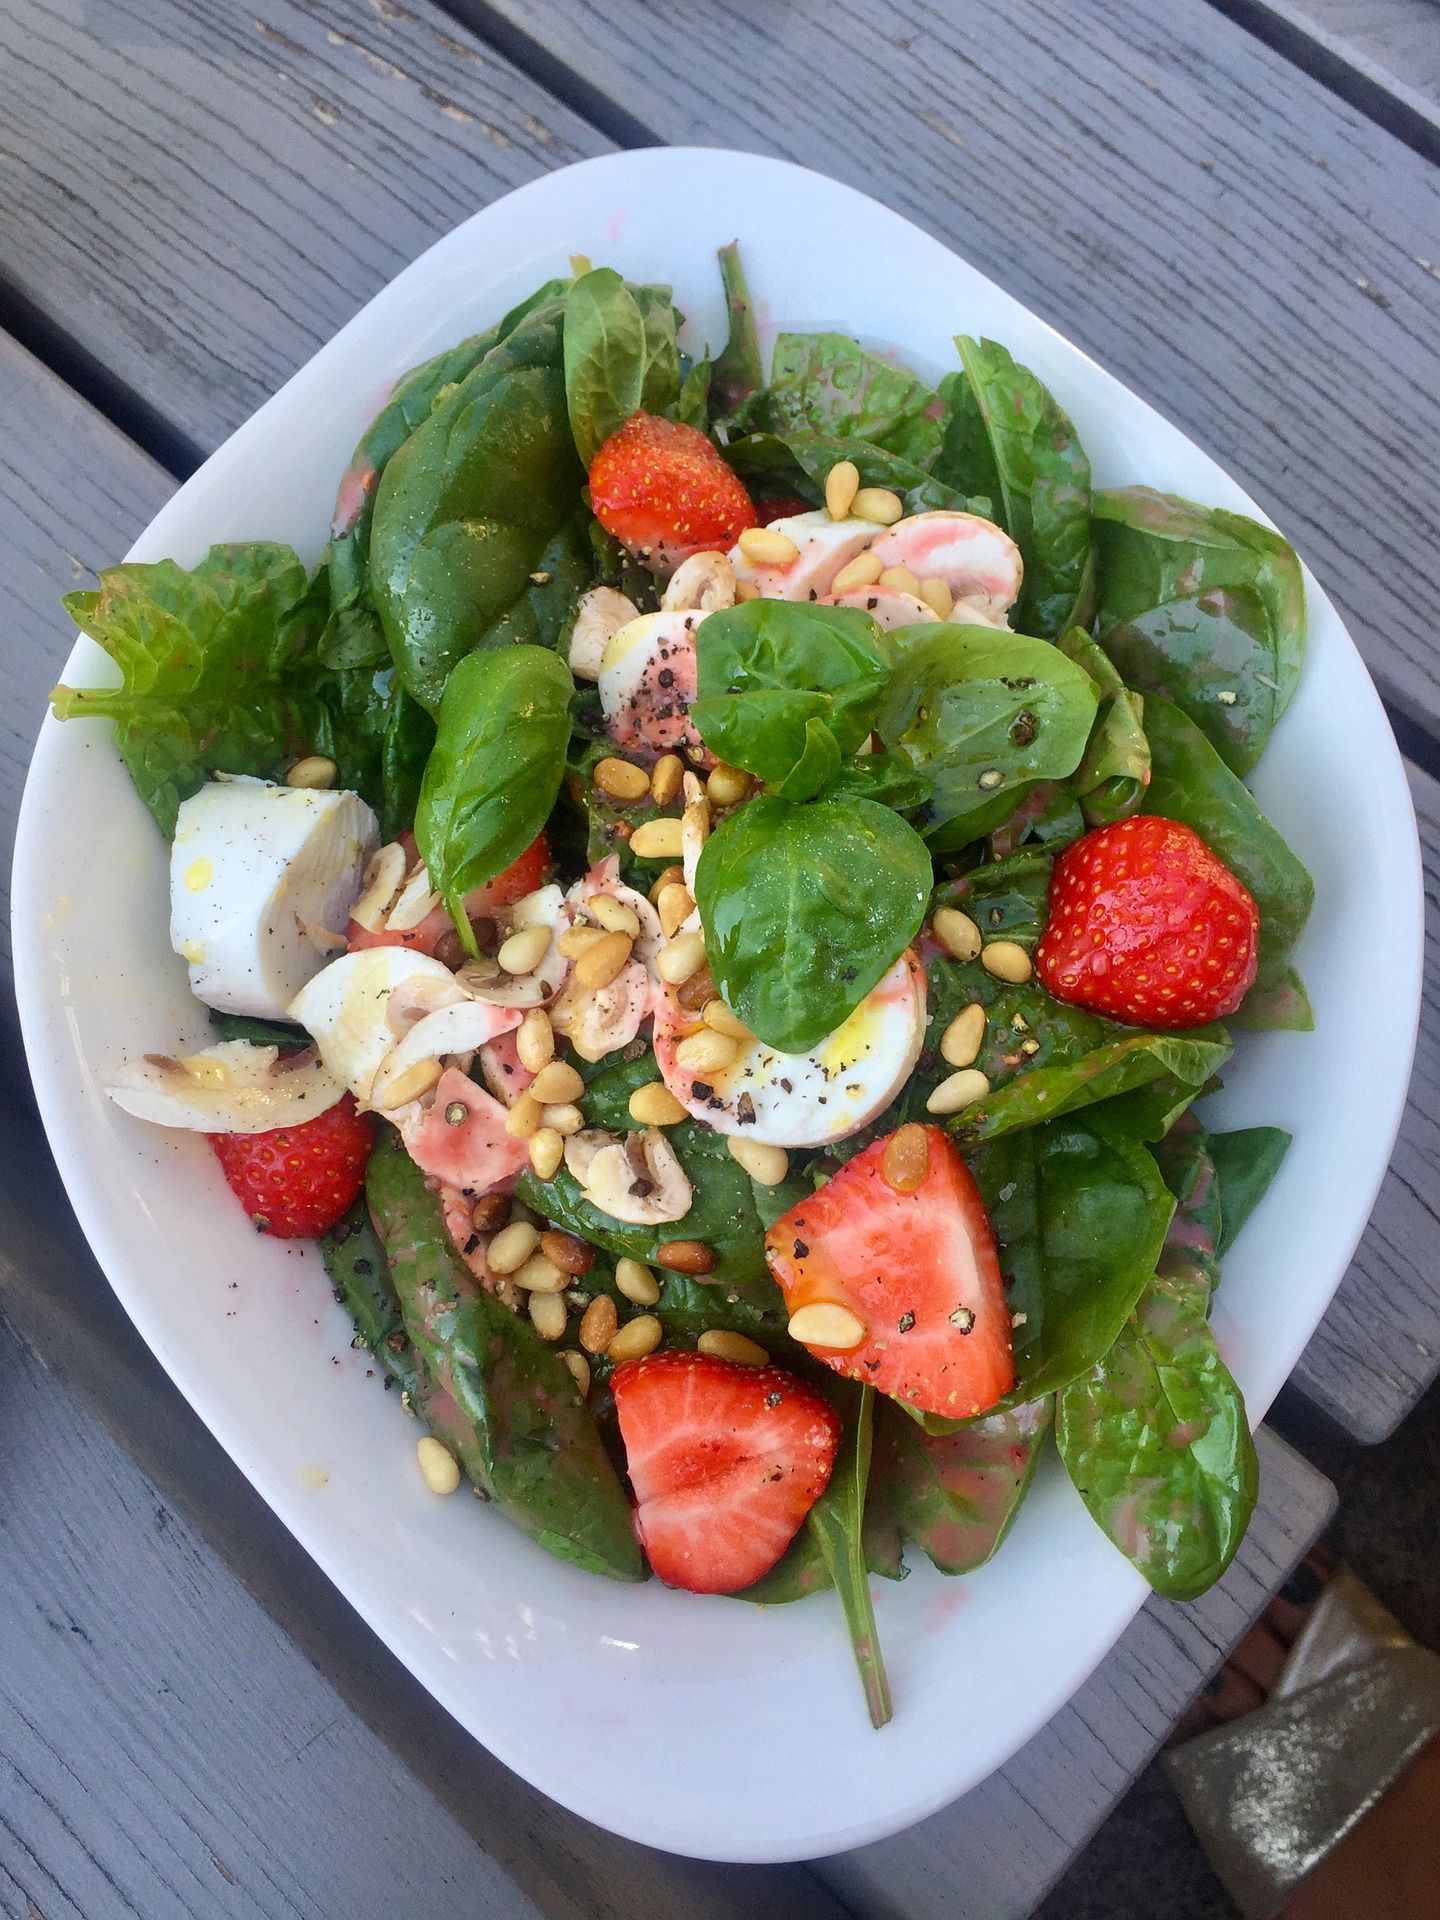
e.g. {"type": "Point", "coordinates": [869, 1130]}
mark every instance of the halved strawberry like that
{"type": "Point", "coordinates": [911, 1258]}
{"type": "Point", "coordinates": [662, 490]}
{"type": "Point", "coordinates": [522, 876]}
{"type": "Point", "coordinates": [295, 1182]}
{"type": "Point", "coordinates": [725, 1460]}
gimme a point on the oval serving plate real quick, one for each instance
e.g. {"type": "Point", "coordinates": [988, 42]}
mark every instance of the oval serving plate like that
{"type": "Point", "coordinates": [699, 1725]}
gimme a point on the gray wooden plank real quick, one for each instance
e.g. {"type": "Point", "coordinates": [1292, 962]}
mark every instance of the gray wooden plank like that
{"type": "Point", "coordinates": [1247, 251]}
{"type": "Point", "coordinates": [1384, 55]}
{"type": "Point", "coordinates": [995, 1853]}
{"type": "Point", "coordinates": [1400, 37]}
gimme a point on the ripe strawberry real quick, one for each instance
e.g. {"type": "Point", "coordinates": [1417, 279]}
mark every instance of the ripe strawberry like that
{"type": "Point", "coordinates": [522, 876]}
{"type": "Point", "coordinates": [663, 490]}
{"type": "Point", "coordinates": [295, 1182]}
{"type": "Point", "coordinates": [725, 1460]}
{"type": "Point", "coordinates": [1147, 925]}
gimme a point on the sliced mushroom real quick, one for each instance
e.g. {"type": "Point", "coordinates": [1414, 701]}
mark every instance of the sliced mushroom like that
{"type": "Point", "coordinates": [453, 1030]}
{"type": "Point", "coordinates": [604, 877]}
{"type": "Point", "coordinates": [600, 612]}
{"type": "Point", "coordinates": [545, 907]}
{"type": "Point", "coordinates": [233, 1087]}
{"type": "Point", "coordinates": [704, 582]}
{"type": "Point", "coordinates": [359, 1007]}
{"type": "Point", "coordinates": [600, 1020]}
{"type": "Point", "coordinates": [638, 1180]}
{"type": "Point", "coordinates": [581, 1149]}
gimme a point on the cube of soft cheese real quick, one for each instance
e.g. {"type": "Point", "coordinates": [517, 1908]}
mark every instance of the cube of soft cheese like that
{"type": "Point", "coordinates": [262, 880]}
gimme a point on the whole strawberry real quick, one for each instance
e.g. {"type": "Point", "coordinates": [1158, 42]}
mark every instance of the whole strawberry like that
{"type": "Point", "coordinates": [1147, 925]}
{"type": "Point", "coordinates": [662, 490]}
{"type": "Point", "coordinates": [295, 1182]}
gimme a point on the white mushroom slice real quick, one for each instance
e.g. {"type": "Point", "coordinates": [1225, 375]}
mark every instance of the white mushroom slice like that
{"type": "Point", "coordinates": [803, 1099]}
{"type": "Point", "coordinates": [258, 874]}
{"type": "Point", "coordinates": [647, 685]}
{"type": "Point", "coordinates": [545, 907]}
{"type": "Point", "coordinates": [887, 606]}
{"type": "Point", "coordinates": [383, 879]}
{"type": "Point", "coordinates": [703, 584]}
{"type": "Point", "coordinates": [604, 877]}
{"type": "Point", "coordinates": [233, 1087]}
{"type": "Point", "coordinates": [363, 1004]}
{"type": "Point", "coordinates": [598, 1021]}
{"type": "Point", "coordinates": [825, 546]}
{"type": "Point", "coordinates": [598, 614]}
{"type": "Point", "coordinates": [418, 900]}
{"type": "Point", "coordinates": [977, 560]}
{"type": "Point", "coordinates": [452, 1030]}
{"type": "Point", "coordinates": [581, 1149]}
{"type": "Point", "coordinates": [638, 1180]}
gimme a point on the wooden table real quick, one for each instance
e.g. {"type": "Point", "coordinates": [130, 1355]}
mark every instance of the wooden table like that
{"type": "Point", "coordinates": [1235, 208]}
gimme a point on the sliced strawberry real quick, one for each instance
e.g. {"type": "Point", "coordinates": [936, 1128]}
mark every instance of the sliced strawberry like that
{"type": "Point", "coordinates": [1148, 925]}
{"type": "Point", "coordinates": [915, 1264]}
{"type": "Point", "coordinates": [295, 1182]}
{"type": "Point", "coordinates": [522, 876]}
{"type": "Point", "coordinates": [725, 1460]}
{"type": "Point", "coordinates": [662, 490]}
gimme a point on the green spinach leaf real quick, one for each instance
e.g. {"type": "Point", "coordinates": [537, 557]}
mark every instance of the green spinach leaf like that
{"type": "Point", "coordinates": [827, 385]}
{"type": "Point", "coordinates": [739, 370]}
{"type": "Point", "coordinates": [956, 1494]}
{"type": "Point", "coordinates": [359, 1272]}
{"type": "Point", "coordinates": [799, 462]}
{"type": "Point", "coordinates": [836, 1522]}
{"type": "Point", "coordinates": [1113, 1066]}
{"type": "Point", "coordinates": [605, 358]}
{"type": "Point", "coordinates": [1112, 778]}
{"type": "Point", "coordinates": [1245, 1163]}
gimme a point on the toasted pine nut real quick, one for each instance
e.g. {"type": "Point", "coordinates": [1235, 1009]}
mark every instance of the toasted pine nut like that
{"type": "Point", "coordinates": [524, 950]}
{"type": "Point", "coordinates": [314, 771]}
{"type": "Point", "coordinates": [555, 1082]}
{"type": "Point", "coordinates": [768, 1165]}
{"type": "Point", "coordinates": [548, 1315]}
{"type": "Point", "coordinates": [656, 840]}
{"type": "Point", "coordinates": [825, 1323]}
{"type": "Point", "coordinates": [936, 594]}
{"type": "Point", "coordinates": [539, 1275]}
{"type": "Point", "coordinates": [612, 914]}
{"type": "Point", "coordinates": [653, 1105]}
{"type": "Point", "coordinates": [577, 940]}
{"type": "Point", "coordinates": [579, 1369]}
{"type": "Point", "coordinates": [547, 1150]}
{"type": "Point", "coordinates": [511, 1247]}
{"type": "Point", "coordinates": [697, 992]}
{"type": "Point", "coordinates": [409, 1085]}
{"type": "Point", "coordinates": [603, 962]}
{"type": "Point", "coordinates": [563, 1117]}
{"type": "Point", "coordinates": [906, 1159]}
{"type": "Point", "coordinates": [707, 1052]}
{"type": "Point", "coordinates": [956, 932]}
{"type": "Point", "coordinates": [746, 590]}
{"type": "Point", "coordinates": [675, 907]}
{"type": "Point", "coordinates": [598, 1324]}
{"type": "Point", "coordinates": [878, 504]}
{"type": "Point", "coordinates": [842, 483]}
{"type": "Point", "coordinates": [676, 962]}
{"type": "Point", "coordinates": [524, 1117]}
{"type": "Point", "coordinates": [721, 1345]}
{"type": "Point", "coordinates": [727, 786]}
{"type": "Point", "coordinates": [621, 779]}
{"type": "Point", "coordinates": [665, 778]}
{"type": "Point", "coordinates": [635, 1339]}
{"type": "Point", "coordinates": [636, 1282]}
{"type": "Point", "coordinates": [437, 1465]}
{"type": "Point", "coordinates": [961, 1090]}
{"type": "Point", "coordinates": [535, 1040]}
{"type": "Point", "coordinates": [686, 1256]}
{"type": "Point", "coordinates": [863, 571]}
{"type": "Point", "coordinates": [963, 1038]}
{"type": "Point", "coordinates": [902, 579]}
{"type": "Point", "coordinates": [490, 1212]}
{"type": "Point", "coordinates": [672, 876]}
{"type": "Point", "coordinates": [567, 1251]}
{"type": "Point", "coordinates": [719, 1017]}
{"type": "Point", "coordinates": [1007, 960]}
{"type": "Point", "coordinates": [763, 547]}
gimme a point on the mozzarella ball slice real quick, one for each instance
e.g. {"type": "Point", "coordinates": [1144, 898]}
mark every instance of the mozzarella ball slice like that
{"type": "Point", "coordinates": [262, 880]}
{"type": "Point", "coordinates": [647, 685]}
{"type": "Point", "coordinates": [232, 1087]}
{"type": "Point", "coordinates": [887, 606]}
{"type": "Point", "coordinates": [977, 560]}
{"type": "Point", "coordinates": [365, 1003]}
{"type": "Point", "coordinates": [825, 546]}
{"type": "Point", "coordinates": [805, 1099]}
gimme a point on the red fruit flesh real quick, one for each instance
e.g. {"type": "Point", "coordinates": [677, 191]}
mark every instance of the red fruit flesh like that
{"type": "Point", "coordinates": [662, 490]}
{"type": "Point", "coordinates": [295, 1182]}
{"type": "Point", "coordinates": [522, 876]}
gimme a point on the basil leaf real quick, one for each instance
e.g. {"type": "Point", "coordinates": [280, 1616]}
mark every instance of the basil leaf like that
{"type": "Point", "coordinates": [495, 769]}
{"type": "Point", "coordinates": [605, 358]}
{"type": "Point", "coordinates": [739, 370]}
{"type": "Point", "coordinates": [805, 907]}
{"type": "Point", "coordinates": [1245, 1163]}
{"type": "Point", "coordinates": [1205, 607]}
{"type": "Point", "coordinates": [985, 716]}
{"type": "Point", "coordinates": [836, 1523]}
{"type": "Point", "coordinates": [957, 1494]}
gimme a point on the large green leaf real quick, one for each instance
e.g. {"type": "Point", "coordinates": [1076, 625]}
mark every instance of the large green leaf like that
{"type": "Point", "coordinates": [956, 1494]}
{"type": "Point", "coordinates": [827, 385]}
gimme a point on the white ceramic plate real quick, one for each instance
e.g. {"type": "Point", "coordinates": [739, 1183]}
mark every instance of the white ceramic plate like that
{"type": "Point", "coordinates": [699, 1725]}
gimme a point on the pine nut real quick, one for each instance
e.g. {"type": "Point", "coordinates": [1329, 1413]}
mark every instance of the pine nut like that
{"type": "Point", "coordinates": [577, 940]}
{"type": "Point", "coordinates": [727, 786]}
{"type": "Point", "coordinates": [936, 594]}
{"type": "Point", "coordinates": [721, 1345]}
{"type": "Point", "coordinates": [672, 876]}
{"type": "Point", "coordinates": [437, 1464]}
{"type": "Point", "coordinates": [763, 547]}
{"type": "Point", "coordinates": [863, 571]}
{"type": "Point", "coordinates": [636, 1282]}
{"type": "Point", "coordinates": [635, 1339]}
{"type": "Point", "coordinates": [768, 1165]}
{"type": "Point", "coordinates": [719, 1017]}
{"type": "Point", "coordinates": [409, 1085]}
{"type": "Point", "coordinates": [878, 504]}
{"type": "Point", "coordinates": [621, 779]}
{"type": "Point", "coordinates": [556, 1081]}
{"type": "Point", "coordinates": [1007, 960]}
{"type": "Point", "coordinates": [656, 839]}
{"type": "Point", "coordinates": [511, 1247]}
{"type": "Point", "coordinates": [962, 1040]}
{"type": "Point", "coordinates": [707, 1052]}
{"type": "Point", "coordinates": [603, 962]}
{"type": "Point", "coordinates": [961, 1090]}
{"type": "Point", "coordinates": [826, 1323]}
{"type": "Point", "coordinates": [539, 1275]}
{"type": "Point", "coordinates": [579, 1369]}
{"type": "Point", "coordinates": [956, 932]}
{"type": "Point", "coordinates": [665, 778]}
{"type": "Point", "coordinates": [535, 1040]}
{"type": "Point", "coordinates": [697, 992]}
{"type": "Point", "coordinates": [490, 1212]}
{"type": "Point", "coordinates": [524, 1117]}
{"type": "Point", "coordinates": [902, 579]}
{"type": "Point", "coordinates": [653, 1105]}
{"type": "Point", "coordinates": [315, 771]}
{"type": "Point", "coordinates": [548, 1315]}
{"type": "Point", "coordinates": [842, 483]}
{"type": "Point", "coordinates": [547, 1150]}
{"type": "Point", "coordinates": [686, 1256]}
{"type": "Point", "coordinates": [524, 950]}
{"type": "Point", "coordinates": [612, 914]}
{"type": "Point", "coordinates": [675, 907]}
{"type": "Point", "coordinates": [598, 1324]}
{"type": "Point", "coordinates": [567, 1251]}
{"type": "Point", "coordinates": [564, 1118]}
{"type": "Point", "coordinates": [906, 1159]}
{"type": "Point", "coordinates": [680, 959]}
{"type": "Point", "coordinates": [746, 590]}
